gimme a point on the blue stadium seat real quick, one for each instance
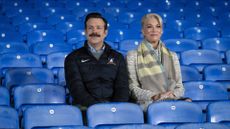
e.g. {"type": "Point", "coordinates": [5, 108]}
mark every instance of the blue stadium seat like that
{"type": "Point", "coordinates": [200, 33]}
{"type": "Point", "coordinates": [22, 76]}
{"type": "Point", "coordinates": [219, 44]}
{"type": "Point", "coordinates": [71, 5]}
{"type": "Point", "coordinates": [129, 17]}
{"type": "Point", "coordinates": [10, 36]}
{"type": "Point", "coordinates": [44, 35]}
{"type": "Point", "coordinates": [64, 27]}
{"type": "Point", "coordinates": [35, 94]}
{"type": "Point", "coordinates": [205, 92]}
{"type": "Point", "coordinates": [81, 12]}
{"type": "Point", "coordinates": [129, 44]}
{"type": "Point", "coordinates": [218, 112]}
{"type": "Point", "coordinates": [202, 126]}
{"type": "Point", "coordinates": [228, 56]}
{"type": "Point", "coordinates": [117, 35]}
{"type": "Point", "coordinates": [135, 5]}
{"type": "Point", "coordinates": [12, 60]}
{"type": "Point", "coordinates": [75, 35]}
{"type": "Point", "coordinates": [178, 112]}
{"type": "Point", "coordinates": [4, 96]}
{"type": "Point", "coordinates": [138, 126]}
{"type": "Point", "coordinates": [171, 34]}
{"type": "Point", "coordinates": [201, 58]}
{"type": "Point", "coordinates": [9, 118]}
{"type": "Point", "coordinates": [114, 11]}
{"type": "Point", "coordinates": [225, 31]}
{"type": "Point", "coordinates": [55, 61]}
{"type": "Point", "coordinates": [44, 48]}
{"type": "Point", "coordinates": [179, 25]}
{"type": "Point", "coordinates": [52, 116]}
{"type": "Point", "coordinates": [48, 11]}
{"type": "Point", "coordinates": [25, 28]}
{"type": "Point", "coordinates": [16, 21]}
{"type": "Point", "coordinates": [218, 73]}
{"type": "Point", "coordinates": [55, 18]}
{"type": "Point", "coordinates": [190, 73]}
{"type": "Point", "coordinates": [214, 24]}
{"type": "Point", "coordinates": [13, 47]}
{"type": "Point", "coordinates": [180, 45]}
{"type": "Point", "coordinates": [113, 114]}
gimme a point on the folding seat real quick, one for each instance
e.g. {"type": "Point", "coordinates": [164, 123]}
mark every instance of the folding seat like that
{"type": "Point", "coordinates": [58, 116]}
{"type": "Point", "coordinates": [190, 73]}
{"type": "Point", "coordinates": [200, 33]}
{"type": "Point", "coordinates": [139, 126]}
{"type": "Point", "coordinates": [172, 113]}
{"type": "Point", "coordinates": [228, 56]}
{"type": "Point", "coordinates": [129, 44]}
{"type": "Point", "coordinates": [44, 35]}
{"type": "Point", "coordinates": [201, 58]}
{"type": "Point", "coordinates": [109, 4]}
{"type": "Point", "coordinates": [4, 96]}
{"type": "Point", "coordinates": [9, 36]}
{"type": "Point", "coordinates": [12, 12]}
{"type": "Point", "coordinates": [114, 11]}
{"type": "Point", "coordinates": [179, 25]}
{"type": "Point", "coordinates": [25, 28]}
{"type": "Point", "coordinates": [118, 35]}
{"type": "Point", "coordinates": [48, 11]}
{"type": "Point", "coordinates": [218, 73]}
{"type": "Point", "coordinates": [56, 60]}
{"type": "Point", "coordinates": [64, 27]}
{"type": "Point", "coordinates": [48, 4]}
{"type": "Point", "coordinates": [61, 77]}
{"type": "Point", "coordinates": [213, 24]}
{"type": "Point", "coordinates": [75, 35]}
{"type": "Point", "coordinates": [171, 34]}
{"type": "Point", "coordinates": [205, 92]}
{"type": "Point", "coordinates": [202, 126]}
{"type": "Point", "coordinates": [129, 17]}
{"type": "Point", "coordinates": [135, 5]}
{"type": "Point", "coordinates": [218, 112]}
{"type": "Point", "coordinates": [37, 94]}
{"type": "Point", "coordinates": [21, 76]}
{"type": "Point", "coordinates": [81, 12]}
{"type": "Point", "coordinates": [108, 115]}
{"type": "Point", "coordinates": [58, 18]}
{"type": "Point", "coordinates": [169, 16]}
{"type": "Point", "coordinates": [219, 44]}
{"type": "Point", "coordinates": [17, 20]}
{"type": "Point", "coordinates": [44, 48]}
{"type": "Point", "coordinates": [13, 47]}
{"type": "Point", "coordinates": [12, 60]}
{"type": "Point", "coordinates": [9, 118]}
{"type": "Point", "coordinates": [71, 5]}
{"type": "Point", "coordinates": [181, 45]}
{"type": "Point", "coordinates": [113, 24]}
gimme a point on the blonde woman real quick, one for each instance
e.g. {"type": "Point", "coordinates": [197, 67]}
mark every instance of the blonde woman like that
{"type": "Point", "coordinates": [154, 71]}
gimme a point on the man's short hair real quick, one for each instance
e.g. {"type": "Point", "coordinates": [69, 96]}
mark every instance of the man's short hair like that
{"type": "Point", "coordinates": [96, 15]}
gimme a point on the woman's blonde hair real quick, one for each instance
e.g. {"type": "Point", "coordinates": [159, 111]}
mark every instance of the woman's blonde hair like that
{"type": "Point", "coordinates": [151, 15]}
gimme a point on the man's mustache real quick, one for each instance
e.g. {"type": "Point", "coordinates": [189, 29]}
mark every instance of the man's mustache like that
{"type": "Point", "coordinates": [95, 34]}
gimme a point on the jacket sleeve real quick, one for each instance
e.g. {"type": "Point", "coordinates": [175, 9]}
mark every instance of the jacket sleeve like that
{"type": "Point", "coordinates": [75, 84]}
{"type": "Point", "coordinates": [121, 87]}
{"type": "Point", "coordinates": [134, 85]}
{"type": "Point", "coordinates": [179, 89]}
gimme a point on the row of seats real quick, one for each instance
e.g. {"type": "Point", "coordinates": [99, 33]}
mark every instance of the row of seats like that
{"type": "Point", "coordinates": [111, 115]}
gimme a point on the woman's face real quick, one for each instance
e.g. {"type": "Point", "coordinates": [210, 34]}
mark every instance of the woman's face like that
{"type": "Point", "coordinates": [152, 30]}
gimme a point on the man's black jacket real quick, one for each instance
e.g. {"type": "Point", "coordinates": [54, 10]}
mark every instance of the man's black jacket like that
{"type": "Point", "coordinates": [93, 81]}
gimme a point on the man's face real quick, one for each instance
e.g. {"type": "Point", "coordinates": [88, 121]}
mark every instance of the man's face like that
{"type": "Point", "coordinates": [95, 31]}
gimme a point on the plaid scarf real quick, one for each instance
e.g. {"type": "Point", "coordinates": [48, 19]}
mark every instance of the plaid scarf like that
{"type": "Point", "coordinates": [155, 75]}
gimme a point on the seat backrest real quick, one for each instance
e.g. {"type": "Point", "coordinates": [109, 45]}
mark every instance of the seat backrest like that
{"type": "Point", "coordinates": [21, 76]}
{"type": "Point", "coordinates": [202, 126]}
{"type": "Point", "coordinates": [205, 91]}
{"type": "Point", "coordinates": [178, 112]}
{"type": "Point", "coordinates": [219, 44]}
{"type": "Point", "coordinates": [4, 96]}
{"type": "Point", "coordinates": [228, 56]}
{"type": "Point", "coordinates": [8, 118]}
{"type": "Point", "coordinates": [127, 45]}
{"type": "Point", "coordinates": [180, 45]}
{"type": "Point", "coordinates": [38, 94]}
{"type": "Point", "coordinates": [114, 114]}
{"type": "Point", "coordinates": [61, 77]}
{"type": "Point", "coordinates": [138, 126]}
{"type": "Point", "coordinates": [217, 72]}
{"type": "Point", "coordinates": [190, 73]}
{"type": "Point", "coordinates": [201, 58]}
{"type": "Point", "coordinates": [51, 116]}
{"type": "Point", "coordinates": [218, 112]}
{"type": "Point", "coordinates": [13, 47]}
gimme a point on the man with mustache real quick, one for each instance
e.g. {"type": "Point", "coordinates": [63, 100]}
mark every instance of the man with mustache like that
{"type": "Point", "coordinates": [96, 73]}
